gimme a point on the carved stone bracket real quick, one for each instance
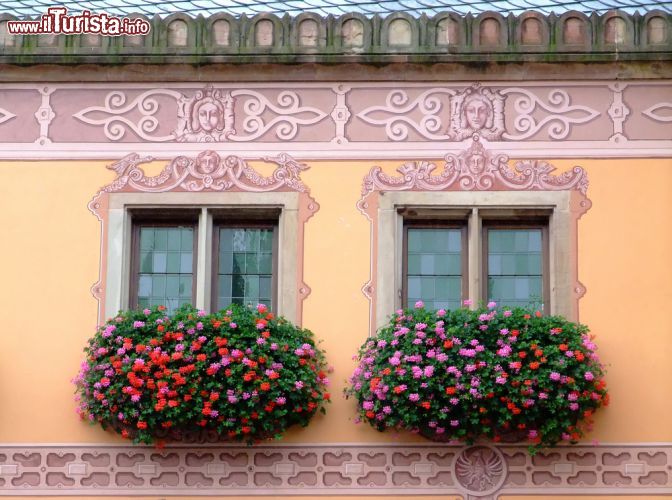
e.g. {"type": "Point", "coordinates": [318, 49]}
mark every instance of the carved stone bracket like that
{"type": "Point", "coordinates": [340, 114]}
{"type": "Point", "coordinates": [44, 115]}
{"type": "Point", "coordinates": [478, 472]}
{"type": "Point", "coordinates": [618, 112]}
{"type": "Point", "coordinates": [208, 171]}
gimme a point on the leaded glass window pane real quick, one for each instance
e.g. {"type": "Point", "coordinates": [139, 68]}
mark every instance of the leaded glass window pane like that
{"type": "Point", "coordinates": [434, 272]}
{"type": "Point", "coordinates": [245, 268]}
{"type": "Point", "coordinates": [515, 266]}
{"type": "Point", "coordinates": [165, 268]}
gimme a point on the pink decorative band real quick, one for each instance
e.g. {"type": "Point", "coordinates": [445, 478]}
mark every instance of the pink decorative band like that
{"type": "Point", "coordinates": [480, 471]}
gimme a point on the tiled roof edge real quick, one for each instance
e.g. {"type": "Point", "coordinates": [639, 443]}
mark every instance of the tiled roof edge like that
{"type": "Point", "coordinates": [398, 37]}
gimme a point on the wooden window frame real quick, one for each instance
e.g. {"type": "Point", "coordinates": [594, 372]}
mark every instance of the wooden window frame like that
{"type": "Point", "coordinates": [541, 223]}
{"type": "Point", "coordinates": [162, 218]}
{"type": "Point", "coordinates": [462, 225]}
{"type": "Point", "coordinates": [218, 224]}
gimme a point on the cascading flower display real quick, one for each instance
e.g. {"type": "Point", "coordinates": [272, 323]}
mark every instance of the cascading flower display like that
{"type": "Point", "coordinates": [494, 373]}
{"type": "Point", "coordinates": [238, 375]}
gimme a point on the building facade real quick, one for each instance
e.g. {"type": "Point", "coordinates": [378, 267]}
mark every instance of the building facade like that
{"type": "Point", "coordinates": [298, 161]}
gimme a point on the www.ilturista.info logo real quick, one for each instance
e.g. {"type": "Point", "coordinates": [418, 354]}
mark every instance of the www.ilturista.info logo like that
{"type": "Point", "coordinates": [57, 20]}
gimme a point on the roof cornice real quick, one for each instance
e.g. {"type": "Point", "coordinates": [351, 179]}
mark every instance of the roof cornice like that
{"type": "Point", "coordinates": [530, 37]}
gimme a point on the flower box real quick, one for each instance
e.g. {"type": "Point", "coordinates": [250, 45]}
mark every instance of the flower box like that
{"type": "Point", "coordinates": [236, 375]}
{"type": "Point", "coordinates": [464, 375]}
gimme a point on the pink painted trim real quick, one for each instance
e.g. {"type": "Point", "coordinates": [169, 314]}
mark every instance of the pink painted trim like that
{"type": "Point", "coordinates": [368, 206]}
{"type": "Point", "coordinates": [475, 169]}
{"type": "Point", "coordinates": [206, 172]}
{"type": "Point", "coordinates": [480, 471]}
{"type": "Point", "coordinates": [307, 208]}
{"type": "Point", "coordinates": [377, 151]}
{"type": "Point", "coordinates": [337, 115]}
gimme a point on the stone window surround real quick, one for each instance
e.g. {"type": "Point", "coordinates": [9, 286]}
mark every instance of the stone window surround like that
{"type": "Point", "coordinates": [390, 236]}
{"type": "Point", "coordinates": [119, 226]}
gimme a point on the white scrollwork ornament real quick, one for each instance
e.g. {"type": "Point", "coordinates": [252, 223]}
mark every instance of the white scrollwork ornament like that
{"type": "Point", "coordinates": [395, 114]}
{"type": "Point", "coordinates": [562, 114]}
{"type": "Point", "coordinates": [116, 123]}
{"type": "Point", "coordinates": [288, 111]}
{"type": "Point", "coordinates": [205, 117]}
{"type": "Point", "coordinates": [653, 112]}
{"type": "Point", "coordinates": [5, 115]}
{"type": "Point", "coordinates": [477, 110]}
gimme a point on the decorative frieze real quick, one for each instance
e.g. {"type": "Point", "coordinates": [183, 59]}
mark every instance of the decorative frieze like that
{"type": "Point", "coordinates": [337, 120]}
{"type": "Point", "coordinates": [479, 471]}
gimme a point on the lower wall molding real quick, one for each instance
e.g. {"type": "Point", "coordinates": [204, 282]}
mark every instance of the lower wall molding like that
{"type": "Point", "coordinates": [481, 471]}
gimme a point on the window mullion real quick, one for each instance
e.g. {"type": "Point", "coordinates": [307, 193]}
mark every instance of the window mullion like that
{"type": "Point", "coordinates": [475, 256]}
{"type": "Point", "coordinates": [203, 259]}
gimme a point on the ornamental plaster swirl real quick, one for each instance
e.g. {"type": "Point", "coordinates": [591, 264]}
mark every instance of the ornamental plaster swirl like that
{"type": "Point", "coordinates": [562, 114]}
{"type": "Point", "coordinates": [397, 104]}
{"type": "Point", "coordinates": [290, 115]}
{"type": "Point", "coordinates": [116, 124]}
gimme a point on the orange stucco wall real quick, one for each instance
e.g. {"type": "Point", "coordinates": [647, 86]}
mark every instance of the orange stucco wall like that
{"type": "Point", "coordinates": [50, 259]}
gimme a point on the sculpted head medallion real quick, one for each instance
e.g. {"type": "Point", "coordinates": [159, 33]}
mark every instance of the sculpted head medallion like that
{"type": "Point", "coordinates": [207, 162]}
{"type": "Point", "coordinates": [205, 117]}
{"type": "Point", "coordinates": [477, 110]}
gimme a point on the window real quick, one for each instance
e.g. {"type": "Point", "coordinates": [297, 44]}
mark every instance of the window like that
{"type": "Point", "coordinates": [163, 265]}
{"type": "Point", "coordinates": [178, 248]}
{"type": "Point", "coordinates": [515, 264]}
{"type": "Point", "coordinates": [513, 247]}
{"type": "Point", "coordinates": [435, 264]}
{"type": "Point", "coordinates": [513, 257]}
{"type": "Point", "coordinates": [243, 265]}
{"type": "Point", "coordinates": [165, 251]}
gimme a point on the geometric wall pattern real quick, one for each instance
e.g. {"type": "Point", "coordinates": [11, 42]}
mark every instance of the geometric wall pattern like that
{"type": "Point", "coordinates": [479, 471]}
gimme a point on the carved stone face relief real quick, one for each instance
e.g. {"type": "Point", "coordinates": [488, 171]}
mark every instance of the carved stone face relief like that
{"type": "Point", "coordinates": [206, 117]}
{"type": "Point", "coordinates": [209, 116]}
{"type": "Point", "coordinates": [207, 162]}
{"type": "Point", "coordinates": [477, 110]}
